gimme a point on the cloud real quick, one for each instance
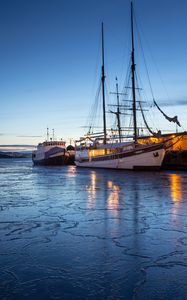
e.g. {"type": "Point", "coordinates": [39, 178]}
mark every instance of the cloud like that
{"type": "Point", "coordinates": [29, 136]}
{"type": "Point", "coordinates": [17, 145]}
{"type": "Point", "coordinates": [173, 103]}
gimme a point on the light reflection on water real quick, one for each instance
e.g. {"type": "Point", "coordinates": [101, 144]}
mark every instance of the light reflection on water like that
{"type": "Point", "coordinates": [71, 171]}
{"type": "Point", "coordinates": [113, 198]}
{"type": "Point", "coordinates": [91, 190]}
{"type": "Point", "coordinates": [112, 189]}
{"type": "Point", "coordinates": [176, 195]}
{"type": "Point", "coordinates": [176, 187]}
{"type": "Point", "coordinates": [69, 233]}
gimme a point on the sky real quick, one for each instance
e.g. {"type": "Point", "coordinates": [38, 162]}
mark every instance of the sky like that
{"type": "Point", "coordinates": [50, 61]}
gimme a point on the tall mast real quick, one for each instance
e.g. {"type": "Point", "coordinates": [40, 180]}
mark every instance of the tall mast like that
{"type": "Point", "coordinates": [103, 87]}
{"type": "Point", "coordinates": [118, 111]}
{"type": "Point", "coordinates": [133, 76]}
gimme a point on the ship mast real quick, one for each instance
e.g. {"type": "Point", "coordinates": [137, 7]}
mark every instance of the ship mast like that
{"type": "Point", "coordinates": [103, 87]}
{"type": "Point", "coordinates": [133, 76]}
{"type": "Point", "coordinates": [118, 111]}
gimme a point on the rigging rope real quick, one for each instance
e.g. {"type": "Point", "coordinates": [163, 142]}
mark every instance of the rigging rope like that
{"type": "Point", "coordinates": [174, 119]}
{"type": "Point", "coordinates": [156, 134]}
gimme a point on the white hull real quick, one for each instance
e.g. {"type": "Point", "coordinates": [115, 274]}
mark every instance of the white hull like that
{"type": "Point", "coordinates": [146, 160]}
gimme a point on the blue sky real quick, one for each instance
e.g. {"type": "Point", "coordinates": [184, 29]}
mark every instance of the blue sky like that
{"type": "Point", "coordinates": [50, 61]}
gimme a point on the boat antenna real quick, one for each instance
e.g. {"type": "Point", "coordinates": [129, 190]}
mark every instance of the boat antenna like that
{"type": "Point", "coordinates": [47, 134]}
{"type": "Point", "coordinates": [133, 76]}
{"type": "Point", "coordinates": [53, 134]}
{"type": "Point", "coordinates": [103, 86]}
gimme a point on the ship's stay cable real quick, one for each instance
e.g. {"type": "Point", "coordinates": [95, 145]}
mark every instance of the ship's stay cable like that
{"type": "Point", "coordinates": [94, 109]}
{"type": "Point", "coordinates": [138, 79]}
{"type": "Point", "coordinates": [96, 69]}
{"type": "Point", "coordinates": [126, 93]}
{"type": "Point", "coordinates": [155, 65]}
{"type": "Point", "coordinates": [93, 116]}
{"type": "Point", "coordinates": [174, 119]}
{"type": "Point", "coordinates": [144, 60]}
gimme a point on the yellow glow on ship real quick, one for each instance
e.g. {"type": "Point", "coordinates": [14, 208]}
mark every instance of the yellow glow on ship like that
{"type": "Point", "coordinates": [96, 152]}
{"type": "Point", "coordinates": [99, 152]}
{"type": "Point", "coordinates": [178, 142]}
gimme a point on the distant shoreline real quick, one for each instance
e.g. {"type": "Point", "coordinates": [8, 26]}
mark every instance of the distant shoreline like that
{"type": "Point", "coordinates": [15, 154]}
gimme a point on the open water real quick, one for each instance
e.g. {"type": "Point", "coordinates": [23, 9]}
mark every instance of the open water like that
{"type": "Point", "coordinates": [68, 233]}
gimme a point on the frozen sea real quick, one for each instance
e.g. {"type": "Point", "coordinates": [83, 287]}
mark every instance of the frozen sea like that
{"type": "Point", "coordinates": [72, 233]}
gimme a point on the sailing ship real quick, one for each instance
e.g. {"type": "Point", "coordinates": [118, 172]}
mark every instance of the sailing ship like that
{"type": "Point", "coordinates": [53, 152]}
{"type": "Point", "coordinates": [102, 152]}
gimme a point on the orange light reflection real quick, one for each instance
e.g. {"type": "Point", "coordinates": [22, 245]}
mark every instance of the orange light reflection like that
{"type": "Point", "coordinates": [176, 188]}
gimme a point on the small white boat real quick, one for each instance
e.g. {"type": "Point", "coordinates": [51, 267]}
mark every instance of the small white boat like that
{"type": "Point", "coordinates": [53, 153]}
